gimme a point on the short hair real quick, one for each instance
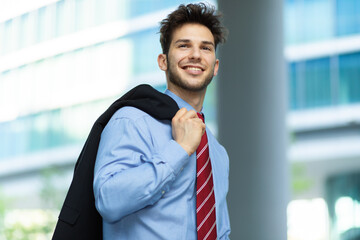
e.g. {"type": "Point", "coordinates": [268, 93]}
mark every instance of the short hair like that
{"type": "Point", "coordinates": [200, 13]}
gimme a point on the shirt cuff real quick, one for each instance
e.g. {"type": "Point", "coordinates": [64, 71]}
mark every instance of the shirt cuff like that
{"type": "Point", "coordinates": [175, 156]}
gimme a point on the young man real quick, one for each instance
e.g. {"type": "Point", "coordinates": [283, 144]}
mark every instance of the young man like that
{"type": "Point", "coordinates": [160, 179]}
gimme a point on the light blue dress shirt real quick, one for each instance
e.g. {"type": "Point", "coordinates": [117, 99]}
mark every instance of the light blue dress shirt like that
{"type": "Point", "coordinates": [144, 181]}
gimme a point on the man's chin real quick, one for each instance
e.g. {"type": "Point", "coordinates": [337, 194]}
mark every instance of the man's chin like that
{"type": "Point", "coordinates": [197, 84]}
{"type": "Point", "coordinates": [191, 87]}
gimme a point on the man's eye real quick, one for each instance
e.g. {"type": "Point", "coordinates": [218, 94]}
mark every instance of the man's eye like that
{"type": "Point", "coordinates": [206, 48]}
{"type": "Point", "coordinates": [182, 46]}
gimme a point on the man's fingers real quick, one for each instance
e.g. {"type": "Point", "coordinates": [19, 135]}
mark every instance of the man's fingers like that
{"type": "Point", "coordinates": [179, 113]}
{"type": "Point", "coordinates": [184, 114]}
{"type": "Point", "coordinates": [190, 114]}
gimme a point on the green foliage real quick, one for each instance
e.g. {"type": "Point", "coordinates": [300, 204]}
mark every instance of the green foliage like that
{"type": "Point", "coordinates": [51, 196]}
{"type": "Point", "coordinates": [34, 224]}
{"type": "Point", "coordinates": [299, 181]}
{"type": "Point", "coordinates": [4, 201]}
{"type": "Point", "coordinates": [40, 227]}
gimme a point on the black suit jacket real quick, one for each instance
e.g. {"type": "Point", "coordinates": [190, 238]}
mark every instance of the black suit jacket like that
{"type": "Point", "coordinates": [78, 217]}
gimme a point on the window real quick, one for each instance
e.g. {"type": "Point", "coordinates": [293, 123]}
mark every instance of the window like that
{"type": "Point", "coordinates": [310, 84]}
{"type": "Point", "coordinates": [349, 75]}
{"type": "Point", "coordinates": [303, 23]}
{"type": "Point", "coordinates": [347, 17]}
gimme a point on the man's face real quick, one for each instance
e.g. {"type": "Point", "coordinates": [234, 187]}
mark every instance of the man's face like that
{"type": "Point", "coordinates": [191, 62]}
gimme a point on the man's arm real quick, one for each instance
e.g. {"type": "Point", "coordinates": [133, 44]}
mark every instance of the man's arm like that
{"type": "Point", "coordinates": [129, 173]}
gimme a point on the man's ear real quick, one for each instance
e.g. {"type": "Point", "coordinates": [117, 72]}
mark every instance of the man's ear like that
{"type": "Point", "coordinates": [162, 62]}
{"type": "Point", "coordinates": [216, 67]}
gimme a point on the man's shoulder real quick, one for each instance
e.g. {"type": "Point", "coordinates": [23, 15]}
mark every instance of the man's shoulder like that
{"type": "Point", "coordinates": [129, 117]}
{"type": "Point", "coordinates": [131, 113]}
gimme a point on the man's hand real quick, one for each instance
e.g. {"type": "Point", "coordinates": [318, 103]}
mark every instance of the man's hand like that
{"type": "Point", "coordinates": [187, 129]}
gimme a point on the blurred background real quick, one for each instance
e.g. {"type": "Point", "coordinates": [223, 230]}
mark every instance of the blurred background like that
{"type": "Point", "coordinates": [63, 62]}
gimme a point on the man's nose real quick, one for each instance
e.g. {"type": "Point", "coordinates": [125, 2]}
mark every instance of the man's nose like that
{"type": "Point", "coordinates": [195, 54]}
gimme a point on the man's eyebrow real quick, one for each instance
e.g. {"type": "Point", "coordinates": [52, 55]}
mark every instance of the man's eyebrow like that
{"type": "Point", "coordinates": [182, 40]}
{"type": "Point", "coordinates": [188, 40]}
{"type": "Point", "coordinates": [208, 42]}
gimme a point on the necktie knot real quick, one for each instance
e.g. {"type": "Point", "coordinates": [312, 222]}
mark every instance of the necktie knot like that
{"type": "Point", "coordinates": [201, 116]}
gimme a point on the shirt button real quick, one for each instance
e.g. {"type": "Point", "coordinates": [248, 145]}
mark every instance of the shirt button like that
{"type": "Point", "coordinates": [182, 169]}
{"type": "Point", "coordinates": [162, 192]}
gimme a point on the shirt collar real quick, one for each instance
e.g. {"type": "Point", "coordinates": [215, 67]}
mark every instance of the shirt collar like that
{"type": "Point", "coordinates": [180, 102]}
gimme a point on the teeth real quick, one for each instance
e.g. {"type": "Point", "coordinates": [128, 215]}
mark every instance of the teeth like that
{"type": "Point", "coordinates": [194, 68]}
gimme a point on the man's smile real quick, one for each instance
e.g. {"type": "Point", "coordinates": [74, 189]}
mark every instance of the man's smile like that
{"type": "Point", "coordinates": [194, 70]}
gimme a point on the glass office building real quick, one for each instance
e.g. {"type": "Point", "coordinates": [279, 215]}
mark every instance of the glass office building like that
{"type": "Point", "coordinates": [323, 56]}
{"type": "Point", "coordinates": [63, 62]}
{"type": "Point", "coordinates": [324, 67]}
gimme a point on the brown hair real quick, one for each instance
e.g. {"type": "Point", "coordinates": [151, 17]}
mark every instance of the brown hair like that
{"type": "Point", "coordinates": [192, 13]}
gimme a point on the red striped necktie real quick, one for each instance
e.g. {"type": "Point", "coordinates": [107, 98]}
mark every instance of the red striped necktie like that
{"type": "Point", "coordinates": [205, 196]}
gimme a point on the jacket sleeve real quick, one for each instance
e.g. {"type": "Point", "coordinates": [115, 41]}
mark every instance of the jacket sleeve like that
{"type": "Point", "coordinates": [130, 173]}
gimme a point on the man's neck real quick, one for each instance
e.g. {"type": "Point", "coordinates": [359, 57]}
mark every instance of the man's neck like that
{"type": "Point", "coordinates": [195, 99]}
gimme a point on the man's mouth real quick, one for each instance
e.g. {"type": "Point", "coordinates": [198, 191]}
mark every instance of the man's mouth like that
{"type": "Point", "coordinates": [193, 69]}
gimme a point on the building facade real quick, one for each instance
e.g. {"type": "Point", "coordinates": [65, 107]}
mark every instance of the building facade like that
{"type": "Point", "coordinates": [323, 57]}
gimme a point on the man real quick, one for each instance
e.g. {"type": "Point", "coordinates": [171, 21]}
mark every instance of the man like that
{"type": "Point", "coordinates": [160, 179]}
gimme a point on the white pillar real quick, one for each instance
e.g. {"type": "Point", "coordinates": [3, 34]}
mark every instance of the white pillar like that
{"type": "Point", "coordinates": [252, 105]}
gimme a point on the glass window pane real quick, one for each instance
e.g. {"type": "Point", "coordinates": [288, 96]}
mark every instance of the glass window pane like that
{"type": "Point", "coordinates": [292, 86]}
{"type": "Point", "coordinates": [308, 20]}
{"type": "Point", "coordinates": [317, 83]}
{"type": "Point", "coordinates": [347, 17]}
{"type": "Point", "coordinates": [349, 75]}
